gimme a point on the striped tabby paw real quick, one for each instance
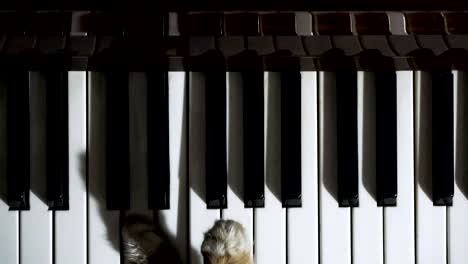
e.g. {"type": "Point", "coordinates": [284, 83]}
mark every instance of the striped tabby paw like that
{"type": "Point", "coordinates": [139, 239]}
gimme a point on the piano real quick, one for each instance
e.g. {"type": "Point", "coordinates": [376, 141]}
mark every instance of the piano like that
{"type": "Point", "coordinates": [334, 131]}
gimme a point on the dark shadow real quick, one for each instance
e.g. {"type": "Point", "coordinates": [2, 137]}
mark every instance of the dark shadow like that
{"type": "Point", "coordinates": [273, 136]}
{"type": "Point", "coordinates": [327, 134]}
{"type": "Point", "coordinates": [138, 139]}
{"type": "Point", "coordinates": [423, 140]}
{"type": "Point", "coordinates": [83, 166]}
{"type": "Point", "coordinates": [368, 162]}
{"type": "Point", "coordinates": [168, 252]}
{"type": "Point", "coordinates": [96, 169]}
{"type": "Point", "coordinates": [461, 143]}
{"type": "Point", "coordinates": [197, 146]}
{"type": "Point", "coordinates": [3, 141]}
{"type": "Point", "coordinates": [235, 135]}
{"type": "Point", "coordinates": [38, 112]}
{"type": "Point", "coordinates": [38, 179]}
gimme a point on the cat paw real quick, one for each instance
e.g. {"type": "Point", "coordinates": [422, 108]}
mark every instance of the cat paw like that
{"type": "Point", "coordinates": [226, 242]}
{"type": "Point", "coordinates": [139, 239]}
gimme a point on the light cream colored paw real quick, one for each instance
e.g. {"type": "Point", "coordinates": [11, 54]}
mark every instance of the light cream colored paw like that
{"type": "Point", "coordinates": [226, 243]}
{"type": "Point", "coordinates": [139, 239]}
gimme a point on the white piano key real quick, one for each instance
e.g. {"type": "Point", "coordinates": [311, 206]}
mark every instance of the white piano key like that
{"type": "Point", "coordinates": [70, 226]}
{"type": "Point", "coordinates": [103, 225]}
{"type": "Point", "coordinates": [9, 247]}
{"type": "Point", "coordinates": [302, 222]}
{"type": "Point", "coordinates": [399, 240]}
{"type": "Point", "coordinates": [36, 224]}
{"type": "Point", "coordinates": [270, 222]}
{"type": "Point", "coordinates": [9, 228]}
{"type": "Point", "coordinates": [174, 221]}
{"type": "Point", "coordinates": [236, 210]}
{"type": "Point", "coordinates": [367, 229]}
{"type": "Point", "coordinates": [458, 213]}
{"type": "Point", "coordinates": [334, 222]}
{"type": "Point", "coordinates": [200, 218]}
{"type": "Point", "coordinates": [430, 220]}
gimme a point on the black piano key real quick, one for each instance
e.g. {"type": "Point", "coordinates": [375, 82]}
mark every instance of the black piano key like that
{"type": "Point", "coordinates": [158, 140]}
{"type": "Point", "coordinates": [57, 139]}
{"type": "Point", "coordinates": [386, 138]}
{"type": "Point", "coordinates": [442, 138]}
{"type": "Point", "coordinates": [117, 141]}
{"type": "Point", "coordinates": [291, 139]}
{"type": "Point", "coordinates": [18, 139]}
{"type": "Point", "coordinates": [253, 132]}
{"type": "Point", "coordinates": [216, 163]}
{"type": "Point", "coordinates": [347, 146]}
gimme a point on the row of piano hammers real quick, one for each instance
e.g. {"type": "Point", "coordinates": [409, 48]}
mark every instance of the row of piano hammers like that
{"type": "Point", "coordinates": [235, 41]}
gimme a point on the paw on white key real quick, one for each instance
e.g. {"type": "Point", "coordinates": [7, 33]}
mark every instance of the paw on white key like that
{"type": "Point", "coordinates": [139, 239]}
{"type": "Point", "coordinates": [144, 243]}
{"type": "Point", "coordinates": [226, 243]}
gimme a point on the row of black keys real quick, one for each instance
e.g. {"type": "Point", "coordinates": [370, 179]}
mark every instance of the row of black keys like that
{"type": "Point", "coordinates": [117, 139]}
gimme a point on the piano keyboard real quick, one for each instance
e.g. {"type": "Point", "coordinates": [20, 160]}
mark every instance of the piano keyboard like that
{"type": "Point", "coordinates": [319, 167]}
{"type": "Point", "coordinates": [332, 137]}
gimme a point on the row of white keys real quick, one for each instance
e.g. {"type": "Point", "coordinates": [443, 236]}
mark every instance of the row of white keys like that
{"type": "Point", "coordinates": [394, 230]}
{"type": "Point", "coordinates": [366, 235]}
{"type": "Point", "coordinates": [269, 223]}
{"type": "Point", "coordinates": [457, 214]}
{"type": "Point", "coordinates": [300, 225]}
{"type": "Point", "coordinates": [398, 234]}
{"type": "Point", "coordinates": [395, 220]}
{"type": "Point", "coordinates": [430, 220]}
{"type": "Point", "coordinates": [301, 229]}
{"type": "Point", "coordinates": [335, 223]}
{"type": "Point", "coordinates": [70, 226]}
{"type": "Point", "coordinates": [9, 220]}
{"type": "Point", "coordinates": [69, 229]}
{"type": "Point", "coordinates": [103, 225]}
